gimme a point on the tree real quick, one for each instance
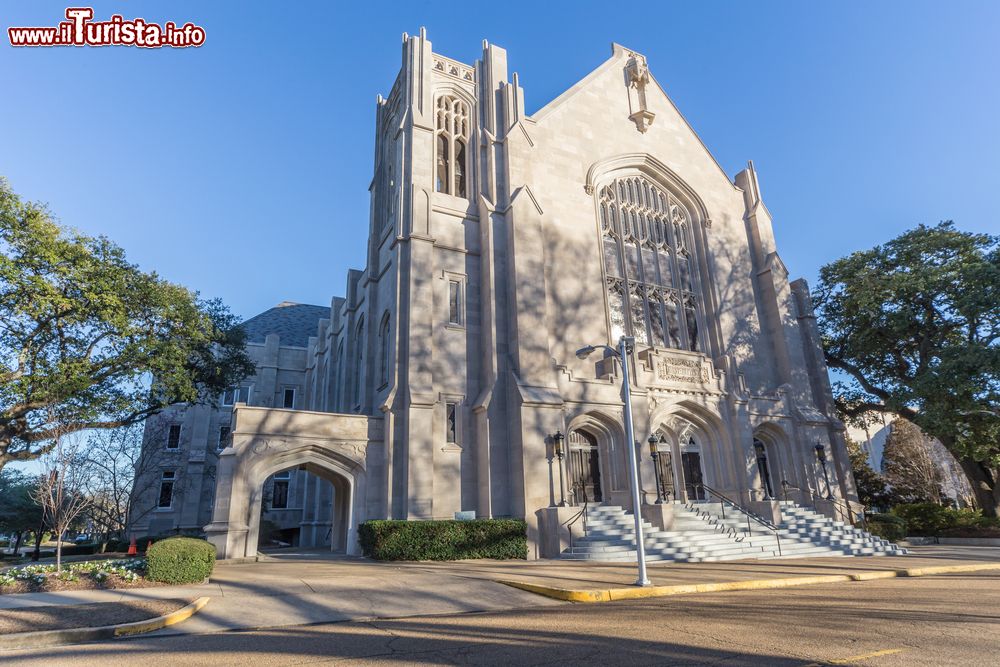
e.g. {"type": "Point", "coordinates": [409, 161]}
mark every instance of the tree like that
{"type": "Point", "coordinates": [914, 325]}
{"type": "Point", "coordinates": [60, 489]}
{"type": "Point", "coordinates": [114, 460]}
{"type": "Point", "coordinates": [873, 491]}
{"type": "Point", "coordinates": [93, 342]}
{"type": "Point", "coordinates": [19, 513]}
{"type": "Point", "coordinates": [908, 466]}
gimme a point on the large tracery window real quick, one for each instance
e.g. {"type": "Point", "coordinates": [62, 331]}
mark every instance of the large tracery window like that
{"type": "Point", "coordinates": [645, 234]}
{"type": "Point", "coordinates": [452, 138]}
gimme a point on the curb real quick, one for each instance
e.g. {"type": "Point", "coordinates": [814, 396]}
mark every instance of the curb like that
{"type": "Point", "coordinates": [79, 635]}
{"type": "Point", "coordinates": [612, 594]}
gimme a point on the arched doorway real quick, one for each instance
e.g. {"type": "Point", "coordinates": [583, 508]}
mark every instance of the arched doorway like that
{"type": "Point", "coordinates": [763, 469]}
{"type": "Point", "coordinates": [584, 468]}
{"type": "Point", "coordinates": [302, 507]}
{"type": "Point", "coordinates": [266, 443]}
{"type": "Point", "coordinates": [701, 457]}
{"type": "Point", "coordinates": [692, 468]}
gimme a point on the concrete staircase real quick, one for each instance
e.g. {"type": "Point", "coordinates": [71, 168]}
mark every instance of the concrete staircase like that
{"type": "Point", "coordinates": [704, 532]}
{"type": "Point", "coordinates": [802, 524]}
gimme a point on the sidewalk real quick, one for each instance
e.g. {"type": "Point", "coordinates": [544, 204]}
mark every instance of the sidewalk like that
{"type": "Point", "coordinates": [296, 590]}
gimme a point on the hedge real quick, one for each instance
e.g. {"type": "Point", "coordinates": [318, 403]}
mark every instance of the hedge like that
{"type": "Point", "coordinates": [180, 560]}
{"type": "Point", "coordinates": [80, 549]}
{"type": "Point", "coordinates": [887, 526]}
{"type": "Point", "coordinates": [444, 540]}
{"type": "Point", "coordinates": [929, 519]}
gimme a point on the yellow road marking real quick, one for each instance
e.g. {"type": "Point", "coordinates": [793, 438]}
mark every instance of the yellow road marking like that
{"type": "Point", "coordinates": [856, 658]}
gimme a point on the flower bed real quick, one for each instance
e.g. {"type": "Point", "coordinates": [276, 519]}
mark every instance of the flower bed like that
{"type": "Point", "coordinates": [124, 573]}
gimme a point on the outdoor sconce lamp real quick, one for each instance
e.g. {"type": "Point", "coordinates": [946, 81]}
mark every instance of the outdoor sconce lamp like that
{"type": "Point", "coordinates": [821, 457]}
{"type": "Point", "coordinates": [654, 452]}
{"type": "Point", "coordinates": [557, 449]}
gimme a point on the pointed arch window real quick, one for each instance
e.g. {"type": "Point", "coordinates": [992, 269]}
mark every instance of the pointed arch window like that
{"type": "Point", "coordinates": [651, 287]}
{"type": "Point", "coordinates": [452, 138]}
{"type": "Point", "coordinates": [359, 364]}
{"type": "Point", "coordinates": [384, 340]}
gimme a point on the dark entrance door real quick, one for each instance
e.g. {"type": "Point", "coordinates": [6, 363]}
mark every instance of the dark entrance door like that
{"type": "Point", "coordinates": [585, 469]}
{"type": "Point", "coordinates": [693, 482]}
{"type": "Point", "coordinates": [665, 471]}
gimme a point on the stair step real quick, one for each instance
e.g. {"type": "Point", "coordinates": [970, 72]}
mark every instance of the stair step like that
{"type": "Point", "coordinates": [700, 533]}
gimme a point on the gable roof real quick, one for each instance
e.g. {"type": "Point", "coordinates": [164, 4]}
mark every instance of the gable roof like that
{"type": "Point", "coordinates": [620, 54]}
{"type": "Point", "coordinates": [294, 322]}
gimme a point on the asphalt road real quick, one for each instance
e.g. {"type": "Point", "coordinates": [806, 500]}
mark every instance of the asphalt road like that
{"type": "Point", "coordinates": [943, 620]}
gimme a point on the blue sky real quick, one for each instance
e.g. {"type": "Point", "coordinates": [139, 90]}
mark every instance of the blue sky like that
{"type": "Point", "coordinates": [241, 168]}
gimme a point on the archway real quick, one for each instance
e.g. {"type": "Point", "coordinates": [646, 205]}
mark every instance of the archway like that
{"type": "Point", "coordinates": [303, 508]}
{"type": "Point", "coordinates": [699, 451]}
{"type": "Point", "coordinates": [330, 447]}
{"type": "Point", "coordinates": [775, 470]}
{"type": "Point", "coordinates": [595, 463]}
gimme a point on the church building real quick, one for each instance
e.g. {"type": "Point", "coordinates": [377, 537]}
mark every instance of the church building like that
{"type": "Point", "coordinates": [446, 381]}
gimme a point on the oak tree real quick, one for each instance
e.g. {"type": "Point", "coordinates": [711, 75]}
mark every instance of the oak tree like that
{"type": "Point", "coordinates": [914, 327]}
{"type": "Point", "coordinates": [90, 341]}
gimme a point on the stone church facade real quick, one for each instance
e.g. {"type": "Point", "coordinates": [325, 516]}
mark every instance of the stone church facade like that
{"type": "Point", "coordinates": [499, 244]}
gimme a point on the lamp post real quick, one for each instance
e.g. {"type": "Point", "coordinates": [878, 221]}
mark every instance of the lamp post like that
{"type": "Point", "coordinates": [557, 448]}
{"type": "Point", "coordinates": [821, 457]}
{"type": "Point", "coordinates": [626, 345]}
{"type": "Point", "coordinates": [655, 454]}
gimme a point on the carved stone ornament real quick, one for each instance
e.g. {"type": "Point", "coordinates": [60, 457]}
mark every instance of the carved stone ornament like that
{"type": "Point", "coordinates": [638, 72]}
{"type": "Point", "coordinates": [681, 370]}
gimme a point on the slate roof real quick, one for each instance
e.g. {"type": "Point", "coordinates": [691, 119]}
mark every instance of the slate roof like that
{"type": "Point", "coordinates": [294, 322]}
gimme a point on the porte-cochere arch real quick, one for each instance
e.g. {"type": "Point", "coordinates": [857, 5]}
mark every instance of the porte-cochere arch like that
{"type": "Point", "coordinates": [338, 448]}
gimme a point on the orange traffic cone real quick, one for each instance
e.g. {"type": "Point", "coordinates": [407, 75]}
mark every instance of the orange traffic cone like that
{"type": "Point", "coordinates": [132, 550]}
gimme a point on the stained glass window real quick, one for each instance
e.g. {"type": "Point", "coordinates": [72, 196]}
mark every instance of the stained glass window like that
{"type": "Point", "coordinates": [651, 284]}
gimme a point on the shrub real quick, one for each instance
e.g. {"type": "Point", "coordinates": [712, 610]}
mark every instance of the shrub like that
{"type": "Point", "coordinates": [887, 526]}
{"type": "Point", "coordinates": [444, 540]}
{"type": "Point", "coordinates": [931, 519]}
{"type": "Point", "coordinates": [180, 560]}
{"type": "Point", "coordinates": [80, 549]}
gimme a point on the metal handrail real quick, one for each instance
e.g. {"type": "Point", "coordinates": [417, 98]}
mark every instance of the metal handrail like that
{"type": "Point", "coordinates": [749, 514]}
{"type": "Point", "coordinates": [844, 508]}
{"type": "Point", "coordinates": [569, 524]}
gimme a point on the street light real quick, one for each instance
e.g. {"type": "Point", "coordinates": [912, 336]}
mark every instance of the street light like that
{"type": "Point", "coordinates": [557, 449]}
{"type": "Point", "coordinates": [626, 345]}
{"type": "Point", "coordinates": [821, 457]}
{"type": "Point", "coordinates": [655, 454]}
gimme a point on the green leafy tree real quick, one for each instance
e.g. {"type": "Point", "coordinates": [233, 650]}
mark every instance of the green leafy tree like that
{"type": "Point", "coordinates": [914, 325]}
{"type": "Point", "coordinates": [89, 341]}
{"type": "Point", "coordinates": [19, 513]}
{"type": "Point", "coordinates": [873, 492]}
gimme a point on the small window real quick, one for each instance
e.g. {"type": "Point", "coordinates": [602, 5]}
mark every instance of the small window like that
{"type": "Point", "coordinates": [451, 422]}
{"type": "Point", "coordinates": [288, 400]}
{"type": "Point", "coordinates": [279, 494]}
{"type": "Point", "coordinates": [235, 395]}
{"type": "Point", "coordinates": [166, 490]}
{"type": "Point", "coordinates": [454, 302]}
{"type": "Point", "coordinates": [174, 436]}
{"type": "Point", "coordinates": [225, 436]}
